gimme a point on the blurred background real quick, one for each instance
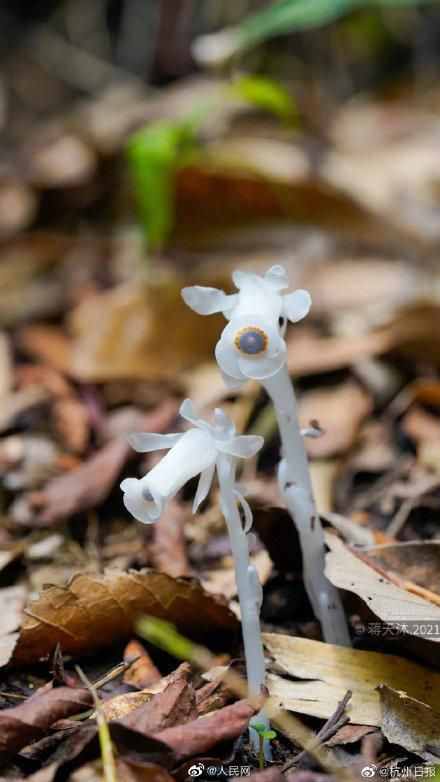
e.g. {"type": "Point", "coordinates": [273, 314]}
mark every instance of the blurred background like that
{"type": "Point", "coordinates": [149, 144]}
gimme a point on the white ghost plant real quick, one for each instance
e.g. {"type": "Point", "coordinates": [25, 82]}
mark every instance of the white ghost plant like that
{"type": "Point", "coordinates": [202, 450]}
{"type": "Point", "coordinates": [252, 346]}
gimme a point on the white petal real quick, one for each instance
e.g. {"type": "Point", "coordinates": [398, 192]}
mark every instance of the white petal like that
{"type": "Point", "coordinates": [205, 301]}
{"type": "Point", "coordinates": [296, 305]}
{"type": "Point", "coordinates": [227, 358]}
{"type": "Point", "coordinates": [203, 487]}
{"type": "Point", "coordinates": [129, 484]}
{"type": "Point", "coordinates": [144, 443]}
{"type": "Point", "coordinates": [242, 447]}
{"type": "Point", "coordinates": [194, 453]}
{"type": "Point", "coordinates": [223, 423]}
{"type": "Point", "coordinates": [188, 412]}
{"type": "Point", "coordinates": [144, 511]}
{"type": "Point", "coordinates": [277, 278]}
{"type": "Point", "coordinates": [240, 278]}
{"type": "Point", "coordinates": [231, 383]}
{"type": "Point", "coordinates": [260, 368]}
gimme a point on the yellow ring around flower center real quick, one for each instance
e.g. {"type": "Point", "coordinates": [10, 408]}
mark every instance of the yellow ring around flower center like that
{"type": "Point", "coordinates": [251, 341]}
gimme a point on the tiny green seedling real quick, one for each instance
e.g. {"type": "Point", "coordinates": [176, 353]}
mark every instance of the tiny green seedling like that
{"type": "Point", "coordinates": [264, 734]}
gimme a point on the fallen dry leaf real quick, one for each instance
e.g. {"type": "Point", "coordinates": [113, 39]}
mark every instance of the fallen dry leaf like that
{"type": "Point", "coordinates": [202, 734]}
{"type": "Point", "coordinates": [331, 670]}
{"type": "Point", "coordinates": [142, 672]}
{"type": "Point", "coordinates": [413, 725]}
{"type": "Point", "coordinates": [48, 344]}
{"type": "Point", "coordinates": [78, 490]}
{"type": "Point", "coordinates": [94, 611]}
{"type": "Point", "coordinates": [387, 600]}
{"type": "Point", "coordinates": [309, 353]}
{"type": "Point", "coordinates": [87, 485]}
{"type": "Point", "coordinates": [123, 333]}
{"type": "Point", "coordinates": [348, 734]}
{"type": "Point", "coordinates": [168, 551]}
{"type": "Point", "coordinates": [175, 705]}
{"type": "Point", "coordinates": [20, 725]}
{"type": "Point", "coordinates": [340, 411]}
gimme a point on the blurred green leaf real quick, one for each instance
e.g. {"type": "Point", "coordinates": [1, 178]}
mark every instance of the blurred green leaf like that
{"type": "Point", "coordinates": [285, 16]}
{"type": "Point", "coordinates": [266, 94]}
{"type": "Point", "coordinates": [154, 154]}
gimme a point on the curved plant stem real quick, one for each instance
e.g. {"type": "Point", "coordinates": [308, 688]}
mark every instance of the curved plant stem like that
{"type": "Point", "coordinates": [248, 587]}
{"type": "Point", "coordinates": [296, 487]}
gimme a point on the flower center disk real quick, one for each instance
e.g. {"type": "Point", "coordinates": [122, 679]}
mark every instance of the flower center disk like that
{"type": "Point", "coordinates": [251, 340]}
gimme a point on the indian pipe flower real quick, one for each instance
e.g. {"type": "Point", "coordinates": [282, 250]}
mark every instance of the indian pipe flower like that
{"type": "Point", "coordinates": [252, 344]}
{"type": "Point", "coordinates": [191, 453]}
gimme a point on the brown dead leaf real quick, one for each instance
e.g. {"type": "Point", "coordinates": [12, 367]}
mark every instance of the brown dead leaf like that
{"type": "Point", "coordinates": [410, 723]}
{"type": "Point", "coordinates": [94, 611]}
{"type": "Point", "coordinates": [48, 344]}
{"type": "Point", "coordinates": [78, 490]}
{"type": "Point", "coordinates": [387, 600]}
{"type": "Point", "coordinates": [348, 734]}
{"type": "Point", "coordinates": [139, 330]}
{"type": "Point", "coordinates": [88, 485]}
{"type": "Point", "coordinates": [339, 411]}
{"type": "Point", "coordinates": [175, 705]}
{"type": "Point", "coordinates": [202, 734]}
{"type": "Point", "coordinates": [168, 551]}
{"type": "Point", "coordinates": [143, 672]}
{"type": "Point", "coordinates": [414, 561]}
{"type": "Point", "coordinates": [309, 353]}
{"type": "Point", "coordinates": [6, 369]}
{"type": "Point", "coordinates": [145, 772]}
{"type": "Point", "coordinates": [71, 422]}
{"type": "Point", "coordinates": [20, 725]}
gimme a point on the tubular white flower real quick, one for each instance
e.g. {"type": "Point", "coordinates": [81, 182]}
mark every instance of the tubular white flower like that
{"type": "Point", "coordinates": [252, 344]}
{"type": "Point", "coordinates": [193, 453]}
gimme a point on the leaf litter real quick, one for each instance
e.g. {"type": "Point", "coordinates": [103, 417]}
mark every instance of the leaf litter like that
{"type": "Point", "coordinates": [90, 351]}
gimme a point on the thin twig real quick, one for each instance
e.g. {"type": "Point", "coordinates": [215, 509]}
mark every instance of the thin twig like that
{"type": "Point", "coordinates": [336, 721]}
{"type": "Point", "coordinates": [105, 743]}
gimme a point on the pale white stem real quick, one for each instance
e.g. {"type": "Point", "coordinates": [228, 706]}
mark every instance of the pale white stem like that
{"type": "Point", "coordinates": [296, 486]}
{"type": "Point", "coordinates": [248, 586]}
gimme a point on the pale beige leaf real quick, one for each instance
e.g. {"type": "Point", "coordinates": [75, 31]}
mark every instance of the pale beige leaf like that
{"type": "Point", "coordinates": [331, 670]}
{"type": "Point", "coordinates": [389, 602]}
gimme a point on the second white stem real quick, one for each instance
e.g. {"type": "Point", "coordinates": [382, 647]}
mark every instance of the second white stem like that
{"type": "Point", "coordinates": [296, 487]}
{"type": "Point", "coordinates": [248, 586]}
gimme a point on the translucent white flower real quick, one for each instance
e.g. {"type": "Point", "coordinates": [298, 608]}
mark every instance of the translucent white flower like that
{"type": "Point", "coordinates": [191, 453]}
{"type": "Point", "coordinates": [252, 344]}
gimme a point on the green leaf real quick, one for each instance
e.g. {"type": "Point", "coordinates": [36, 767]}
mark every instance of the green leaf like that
{"type": "Point", "coordinates": [286, 16]}
{"type": "Point", "coordinates": [259, 727]}
{"type": "Point", "coordinates": [269, 735]}
{"type": "Point", "coordinates": [154, 155]}
{"type": "Point", "coordinates": [266, 94]}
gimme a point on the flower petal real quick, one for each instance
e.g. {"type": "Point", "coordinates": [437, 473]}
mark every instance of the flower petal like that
{"type": "Point", "coordinates": [227, 358]}
{"type": "Point", "coordinates": [296, 305]}
{"type": "Point", "coordinates": [243, 446]}
{"type": "Point", "coordinates": [137, 505]}
{"type": "Point", "coordinates": [206, 301]}
{"type": "Point", "coordinates": [144, 443]}
{"type": "Point", "coordinates": [188, 412]}
{"type": "Point", "coordinates": [277, 278]}
{"type": "Point", "coordinates": [223, 423]}
{"type": "Point", "coordinates": [240, 278]}
{"type": "Point", "coordinates": [259, 369]}
{"type": "Point", "coordinates": [232, 383]}
{"type": "Point", "coordinates": [203, 487]}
